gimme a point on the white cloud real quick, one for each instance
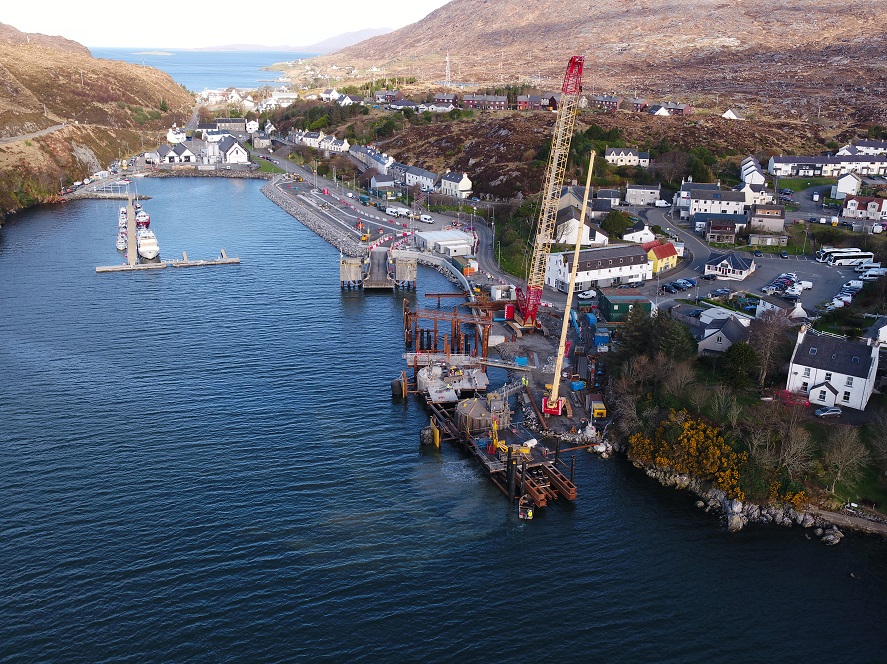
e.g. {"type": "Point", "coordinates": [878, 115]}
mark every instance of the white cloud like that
{"type": "Point", "coordinates": [169, 24]}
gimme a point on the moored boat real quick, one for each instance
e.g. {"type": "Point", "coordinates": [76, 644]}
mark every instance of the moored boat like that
{"type": "Point", "coordinates": [143, 219]}
{"type": "Point", "coordinates": [147, 244]}
{"type": "Point", "coordinates": [121, 240]}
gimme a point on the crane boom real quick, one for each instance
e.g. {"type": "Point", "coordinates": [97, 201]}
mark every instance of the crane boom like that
{"type": "Point", "coordinates": [529, 301]}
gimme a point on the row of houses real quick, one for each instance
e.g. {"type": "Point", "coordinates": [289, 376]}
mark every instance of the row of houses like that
{"type": "Point", "coordinates": [227, 150]}
{"type": "Point", "coordinates": [389, 173]}
{"type": "Point", "coordinates": [828, 166]}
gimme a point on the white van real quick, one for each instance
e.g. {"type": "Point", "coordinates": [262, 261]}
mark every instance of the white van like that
{"type": "Point", "coordinates": [662, 204]}
{"type": "Point", "coordinates": [403, 212]}
{"type": "Point", "coordinates": [426, 218]}
{"type": "Point", "coordinates": [805, 285]}
{"type": "Point", "coordinates": [874, 275]}
{"type": "Point", "coordinates": [391, 212]}
{"type": "Point", "coordinates": [865, 267]}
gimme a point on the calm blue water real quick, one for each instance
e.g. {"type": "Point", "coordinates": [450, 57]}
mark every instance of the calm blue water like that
{"type": "Point", "coordinates": [197, 70]}
{"type": "Point", "coordinates": [205, 465]}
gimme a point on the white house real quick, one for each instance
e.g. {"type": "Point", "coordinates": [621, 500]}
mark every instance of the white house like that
{"type": "Point", "coordinates": [865, 207]}
{"type": "Point", "coordinates": [682, 197]}
{"type": "Point", "coordinates": [731, 266]}
{"type": "Point", "coordinates": [567, 227]}
{"type": "Point", "coordinates": [720, 202]}
{"type": "Point", "coordinates": [847, 185]}
{"type": "Point", "coordinates": [640, 233]}
{"type": "Point", "coordinates": [454, 183]}
{"type": "Point", "coordinates": [330, 94]}
{"type": "Point", "coordinates": [755, 194]}
{"type": "Point", "coordinates": [627, 157]}
{"type": "Point", "coordinates": [252, 126]}
{"type": "Point", "coordinates": [176, 135]}
{"type": "Point", "coordinates": [831, 370]}
{"type": "Point", "coordinates": [350, 100]}
{"type": "Point", "coordinates": [751, 172]}
{"type": "Point", "coordinates": [601, 267]}
{"type": "Point", "coordinates": [332, 144]}
{"type": "Point", "coordinates": [642, 194]}
{"type": "Point", "coordinates": [828, 167]}
{"type": "Point", "coordinates": [864, 147]}
{"type": "Point", "coordinates": [182, 155]}
{"type": "Point", "coordinates": [730, 114]}
{"type": "Point", "coordinates": [232, 152]}
{"type": "Point", "coordinates": [419, 176]}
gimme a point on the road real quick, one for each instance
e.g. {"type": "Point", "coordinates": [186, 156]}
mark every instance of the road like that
{"type": "Point", "coordinates": [25, 137]}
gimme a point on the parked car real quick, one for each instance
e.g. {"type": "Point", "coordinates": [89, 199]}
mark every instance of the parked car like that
{"type": "Point", "coordinates": [692, 282]}
{"type": "Point", "coordinates": [783, 254]}
{"type": "Point", "coordinates": [828, 411]}
{"type": "Point", "coordinates": [586, 295]}
{"type": "Point", "coordinates": [668, 288]}
{"type": "Point", "coordinates": [709, 277]}
{"type": "Point", "coordinates": [758, 253]}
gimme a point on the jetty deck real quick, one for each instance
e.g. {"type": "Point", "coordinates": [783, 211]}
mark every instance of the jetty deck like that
{"type": "Point", "coordinates": [223, 259]}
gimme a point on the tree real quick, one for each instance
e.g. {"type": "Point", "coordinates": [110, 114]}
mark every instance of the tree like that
{"type": "Point", "coordinates": [796, 450]}
{"type": "Point", "coordinates": [878, 439]}
{"type": "Point", "coordinates": [768, 338]}
{"type": "Point", "coordinates": [672, 338]}
{"type": "Point", "coordinates": [844, 456]}
{"type": "Point", "coordinates": [673, 165]}
{"type": "Point", "coordinates": [740, 362]}
{"type": "Point", "coordinates": [634, 335]}
{"type": "Point", "coordinates": [615, 223]}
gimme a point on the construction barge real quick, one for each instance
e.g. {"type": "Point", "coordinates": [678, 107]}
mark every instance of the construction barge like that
{"type": "Point", "coordinates": [449, 376]}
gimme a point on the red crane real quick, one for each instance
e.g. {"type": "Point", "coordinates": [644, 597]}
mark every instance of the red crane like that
{"type": "Point", "coordinates": [528, 301]}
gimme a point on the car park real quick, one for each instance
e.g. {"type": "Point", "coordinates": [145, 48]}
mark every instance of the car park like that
{"type": "Point", "coordinates": [828, 411]}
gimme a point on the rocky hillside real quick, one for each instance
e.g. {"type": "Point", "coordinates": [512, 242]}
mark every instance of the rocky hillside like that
{"type": "Point", "coordinates": [501, 150]}
{"type": "Point", "coordinates": [97, 109]}
{"type": "Point", "coordinates": [817, 56]}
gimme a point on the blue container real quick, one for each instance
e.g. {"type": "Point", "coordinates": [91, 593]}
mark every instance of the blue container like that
{"type": "Point", "coordinates": [520, 361]}
{"type": "Point", "coordinates": [577, 385]}
{"type": "Point", "coordinates": [591, 319]}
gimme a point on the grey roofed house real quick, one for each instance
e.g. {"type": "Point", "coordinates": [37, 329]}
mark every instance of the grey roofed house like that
{"type": "Point", "coordinates": [733, 260]}
{"type": "Point", "coordinates": [716, 195]}
{"type": "Point", "coordinates": [421, 173]}
{"type": "Point", "coordinates": [607, 193]}
{"type": "Point", "coordinates": [226, 143]}
{"type": "Point", "coordinates": [853, 358]}
{"type": "Point", "coordinates": [163, 150]}
{"type": "Point", "coordinates": [721, 219]}
{"type": "Point", "coordinates": [691, 186]}
{"type": "Point", "coordinates": [601, 205]}
{"type": "Point", "coordinates": [721, 333]}
{"type": "Point", "coordinates": [596, 259]}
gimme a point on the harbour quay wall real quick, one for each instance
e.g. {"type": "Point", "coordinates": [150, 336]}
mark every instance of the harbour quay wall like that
{"type": "Point", "coordinates": [328, 230]}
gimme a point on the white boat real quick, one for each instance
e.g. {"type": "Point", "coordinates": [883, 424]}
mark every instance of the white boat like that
{"type": "Point", "coordinates": [121, 240]}
{"type": "Point", "coordinates": [147, 244]}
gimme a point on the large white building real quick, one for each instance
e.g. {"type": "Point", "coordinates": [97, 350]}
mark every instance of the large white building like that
{"type": "Point", "coordinates": [716, 201]}
{"type": "Point", "coordinates": [828, 167]}
{"type": "Point", "coordinates": [832, 371]}
{"type": "Point", "coordinates": [455, 184]}
{"type": "Point", "coordinates": [597, 268]}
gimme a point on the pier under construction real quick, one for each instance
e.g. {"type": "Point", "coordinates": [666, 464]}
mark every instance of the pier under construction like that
{"type": "Point", "coordinates": [378, 271]}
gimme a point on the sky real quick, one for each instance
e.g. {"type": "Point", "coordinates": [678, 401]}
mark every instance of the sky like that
{"type": "Point", "coordinates": [176, 24]}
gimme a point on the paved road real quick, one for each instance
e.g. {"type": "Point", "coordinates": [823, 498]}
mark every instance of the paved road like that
{"type": "Point", "coordinates": [42, 132]}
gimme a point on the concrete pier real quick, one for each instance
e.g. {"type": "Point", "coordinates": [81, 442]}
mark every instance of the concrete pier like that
{"type": "Point", "coordinates": [184, 262]}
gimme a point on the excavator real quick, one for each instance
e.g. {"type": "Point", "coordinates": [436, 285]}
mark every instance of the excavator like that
{"type": "Point", "coordinates": [497, 444]}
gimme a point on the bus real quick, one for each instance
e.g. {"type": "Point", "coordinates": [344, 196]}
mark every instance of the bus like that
{"type": "Point", "coordinates": [850, 257]}
{"type": "Point", "coordinates": [823, 254]}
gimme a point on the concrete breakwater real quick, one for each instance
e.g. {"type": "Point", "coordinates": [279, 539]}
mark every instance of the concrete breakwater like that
{"type": "Point", "coordinates": [314, 222]}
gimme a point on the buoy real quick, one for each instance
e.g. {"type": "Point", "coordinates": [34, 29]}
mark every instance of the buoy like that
{"type": "Point", "coordinates": [397, 389]}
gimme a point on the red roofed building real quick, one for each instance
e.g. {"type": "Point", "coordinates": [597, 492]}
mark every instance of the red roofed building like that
{"type": "Point", "coordinates": [663, 256]}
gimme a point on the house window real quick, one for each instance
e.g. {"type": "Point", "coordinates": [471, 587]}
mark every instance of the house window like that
{"type": "Point", "coordinates": [804, 386]}
{"type": "Point", "coordinates": [846, 396]}
{"type": "Point", "coordinates": [720, 339]}
{"type": "Point", "coordinates": [849, 382]}
{"type": "Point", "coordinates": [822, 395]}
{"type": "Point", "coordinates": [806, 372]}
{"type": "Point", "coordinates": [828, 376]}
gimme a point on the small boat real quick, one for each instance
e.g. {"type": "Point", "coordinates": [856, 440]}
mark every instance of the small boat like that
{"type": "Point", "coordinates": [525, 507]}
{"type": "Point", "coordinates": [143, 219]}
{"type": "Point", "coordinates": [121, 240]}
